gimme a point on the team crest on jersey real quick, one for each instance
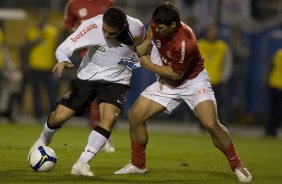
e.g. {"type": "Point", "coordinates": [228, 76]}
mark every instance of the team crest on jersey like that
{"type": "Point", "coordinates": [158, 43]}
{"type": "Point", "coordinates": [82, 12]}
{"type": "Point", "coordinates": [130, 63]}
{"type": "Point", "coordinates": [202, 91]}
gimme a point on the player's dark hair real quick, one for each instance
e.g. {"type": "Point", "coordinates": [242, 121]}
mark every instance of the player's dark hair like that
{"type": "Point", "coordinates": [115, 17]}
{"type": "Point", "coordinates": [166, 13]}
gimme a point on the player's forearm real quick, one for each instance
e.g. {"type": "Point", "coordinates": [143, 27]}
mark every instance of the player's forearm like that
{"type": "Point", "coordinates": [164, 71]}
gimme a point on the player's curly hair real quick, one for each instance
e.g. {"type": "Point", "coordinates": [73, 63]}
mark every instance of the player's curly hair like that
{"type": "Point", "coordinates": [166, 13]}
{"type": "Point", "coordinates": [115, 17]}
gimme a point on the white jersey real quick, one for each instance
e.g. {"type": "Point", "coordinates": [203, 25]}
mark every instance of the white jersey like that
{"type": "Point", "coordinates": [107, 59]}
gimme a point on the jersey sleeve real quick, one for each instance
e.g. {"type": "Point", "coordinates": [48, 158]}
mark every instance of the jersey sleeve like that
{"type": "Point", "coordinates": [87, 34]}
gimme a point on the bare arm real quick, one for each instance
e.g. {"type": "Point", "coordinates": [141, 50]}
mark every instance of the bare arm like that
{"type": "Point", "coordinates": [164, 71]}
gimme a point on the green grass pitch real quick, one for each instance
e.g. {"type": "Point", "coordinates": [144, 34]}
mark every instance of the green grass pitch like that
{"type": "Point", "coordinates": [171, 158]}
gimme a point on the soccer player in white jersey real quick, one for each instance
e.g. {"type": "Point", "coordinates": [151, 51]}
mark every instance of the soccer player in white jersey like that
{"type": "Point", "coordinates": [104, 74]}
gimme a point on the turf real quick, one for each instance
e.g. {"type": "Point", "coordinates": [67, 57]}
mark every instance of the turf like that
{"type": "Point", "coordinates": [172, 158]}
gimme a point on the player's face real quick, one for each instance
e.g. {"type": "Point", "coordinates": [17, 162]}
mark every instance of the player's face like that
{"type": "Point", "coordinates": [165, 30]}
{"type": "Point", "coordinates": [110, 32]}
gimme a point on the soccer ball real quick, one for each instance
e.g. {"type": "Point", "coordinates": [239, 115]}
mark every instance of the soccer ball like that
{"type": "Point", "coordinates": [42, 159]}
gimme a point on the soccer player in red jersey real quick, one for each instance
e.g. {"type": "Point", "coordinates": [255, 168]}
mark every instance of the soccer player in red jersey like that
{"type": "Point", "coordinates": [176, 59]}
{"type": "Point", "coordinates": [77, 11]}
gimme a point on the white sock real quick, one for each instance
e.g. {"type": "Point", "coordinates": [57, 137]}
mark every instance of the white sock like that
{"type": "Point", "coordinates": [95, 143]}
{"type": "Point", "coordinates": [47, 134]}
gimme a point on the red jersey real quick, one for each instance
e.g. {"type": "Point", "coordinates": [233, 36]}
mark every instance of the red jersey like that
{"type": "Point", "coordinates": [181, 52]}
{"type": "Point", "coordinates": [76, 11]}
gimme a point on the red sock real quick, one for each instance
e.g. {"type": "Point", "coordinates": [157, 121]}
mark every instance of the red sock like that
{"type": "Point", "coordinates": [232, 157]}
{"type": "Point", "coordinates": [138, 152]}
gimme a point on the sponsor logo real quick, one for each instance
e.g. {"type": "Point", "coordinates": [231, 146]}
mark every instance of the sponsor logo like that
{"type": "Point", "coordinates": [83, 32]}
{"type": "Point", "coordinates": [183, 46]}
{"type": "Point", "coordinates": [43, 159]}
{"type": "Point", "coordinates": [130, 63]}
{"type": "Point", "coordinates": [120, 102]}
{"type": "Point", "coordinates": [88, 150]}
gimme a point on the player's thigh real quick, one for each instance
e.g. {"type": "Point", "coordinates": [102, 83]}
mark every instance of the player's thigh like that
{"type": "Point", "coordinates": [144, 108]}
{"type": "Point", "coordinates": [79, 96]}
{"type": "Point", "coordinates": [196, 91]}
{"type": "Point", "coordinates": [111, 94]}
{"type": "Point", "coordinates": [206, 112]}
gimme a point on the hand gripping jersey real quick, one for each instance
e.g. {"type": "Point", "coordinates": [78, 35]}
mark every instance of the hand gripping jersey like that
{"type": "Point", "coordinates": [107, 59]}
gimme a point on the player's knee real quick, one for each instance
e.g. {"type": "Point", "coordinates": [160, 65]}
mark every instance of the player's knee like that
{"type": "Point", "coordinates": [209, 125]}
{"type": "Point", "coordinates": [57, 118]}
{"type": "Point", "coordinates": [133, 118]}
{"type": "Point", "coordinates": [109, 117]}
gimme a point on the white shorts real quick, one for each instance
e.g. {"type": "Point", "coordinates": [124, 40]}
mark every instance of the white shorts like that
{"type": "Point", "coordinates": [191, 91]}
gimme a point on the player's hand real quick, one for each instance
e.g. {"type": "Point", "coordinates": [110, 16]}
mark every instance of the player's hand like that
{"type": "Point", "coordinates": [61, 66]}
{"type": "Point", "coordinates": [145, 47]}
{"type": "Point", "coordinates": [162, 81]}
